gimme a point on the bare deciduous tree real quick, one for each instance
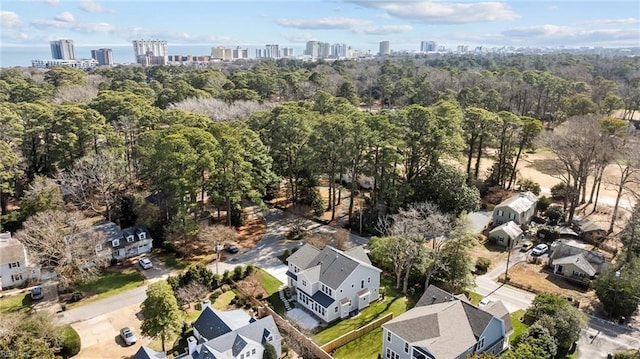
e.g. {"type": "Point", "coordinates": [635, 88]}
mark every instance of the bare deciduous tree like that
{"type": "Point", "coordinates": [220, 110]}
{"type": "Point", "coordinates": [95, 182]}
{"type": "Point", "coordinates": [343, 239]}
{"type": "Point", "coordinates": [190, 293]}
{"type": "Point", "coordinates": [217, 235]}
{"type": "Point", "coordinates": [318, 240]}
{"type": "Point", "coordinates": [65, 242]}
{"type": "Point", "coordinates": [628, 163]}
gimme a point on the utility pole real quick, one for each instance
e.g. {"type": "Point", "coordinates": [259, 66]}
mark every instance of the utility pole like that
{"type": "Point", "coordinates": [217, 255]}
{"type": "Point", "coordinates": [506, 272]}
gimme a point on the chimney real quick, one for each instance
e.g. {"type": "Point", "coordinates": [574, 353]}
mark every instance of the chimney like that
{"type": "Point", "coordinates": [206, 304]}
{"type": "Point", "coordinates": [192, 345]}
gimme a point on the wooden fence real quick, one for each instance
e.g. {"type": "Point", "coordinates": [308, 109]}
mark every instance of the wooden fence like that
{"type": "Point", "coordinates": [355, 334]}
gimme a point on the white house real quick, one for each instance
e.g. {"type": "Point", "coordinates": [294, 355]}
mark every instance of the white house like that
{"type": "Point", "coordinates": [518, 208]}
{"type": "Point", "coordinates": [15, 268]}
{"type": "Point", "coordinates": [507, 234]}
{"type": "Point", "coordinates": [333, 283]}
{"type": "Point", "coordinates": [125, 243]}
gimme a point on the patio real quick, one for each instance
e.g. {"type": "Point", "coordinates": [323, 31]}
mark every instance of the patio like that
{"type": "Point", "coordinates": [302, 318]}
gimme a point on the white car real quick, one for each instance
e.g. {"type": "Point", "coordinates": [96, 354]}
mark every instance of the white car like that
{"type": "Point", "coordinates": [145, 263]}
{"type": "Point", "coordinates": [127, 335]}
{"type": "Point", "coordinates": [540, 249]}
{"type": "Point", "coordinates": [484, 302]}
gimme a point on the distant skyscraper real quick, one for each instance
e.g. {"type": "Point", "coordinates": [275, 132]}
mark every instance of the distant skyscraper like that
{"type": "Point", "coordinates": [62, 50]}
{"type": "Point", "coordinates": [239, 53]}
{"type": "Point", "coordinates": [287, 52]}
{"type": "Point", "coordinates": [312, 49]}
{"type": "Point", "coordinates": [428, 46]}
{"type": "Point", "coordinates": [150, 52]}
{"type": "Point", "coordinates": [103, 56]}
{"type": "Point", "coordinates": [385, 48]}
{"type": "Point", "coordinates": [272, 51]}
{"type": "Point", "coordinates": [222, 53]}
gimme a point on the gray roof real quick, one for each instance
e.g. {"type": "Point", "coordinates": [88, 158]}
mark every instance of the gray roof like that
{"type": "Point", "coordinates": [563, 250]}
{"type": "Point", "coordinates": [148, 353]}
{"type": "Point", "coordinates": [359, 254]}
{"type": "Point", "coordinates": [212, 323]}
{"type": "Point", "coordinates": [586, 225]}
{"type": "Point", "coordinates": [579, 261]}
{"type": "Point", "coordinates": [334, 265]}
{"type": "Point", "coordinates": [112, 231]}
{"type": "Point", "coordinates": [498, 309]}
{"type": "Point", "coordinates": [11, 249]}
{"type": "Point", "coordinates": [511, 228]}
{"type": "Point", "coordinates": [443, 328]}
{"type": "Point", "coordinates": [478, 319]}
{"type": "Point", "coordinates": [520, 202]}
{"type": "Point", "coordinates": [434, 295]}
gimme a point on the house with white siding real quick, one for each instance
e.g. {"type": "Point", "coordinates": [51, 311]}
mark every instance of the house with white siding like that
{"type": "Point", "coordinates": [15, 268]}
{"type": "Point", "coordinates": [518, 208]}
{"type": "Point", "coordinates": [333, 284]}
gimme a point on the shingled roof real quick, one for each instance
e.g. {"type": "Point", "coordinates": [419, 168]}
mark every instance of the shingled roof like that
{"type": "Point", "coordinates": [520, 202]}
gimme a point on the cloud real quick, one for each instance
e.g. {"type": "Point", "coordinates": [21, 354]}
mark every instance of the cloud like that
{"type": "Point", "coordinates": [549, 34]}
{"type": "Point", "coordinates": [91, 6]}
{"type": "Point", "coordinates": [327, 23]}
{"type": "Point", "coordinates": [9, 19]}
{"type": "Point", "coordinates": [539, 30]}
{"type": "Point", "coordinates": [50, 2]}
{"type": "Point", "coordinates": [99, 27]}
{"type": "Point", "coordinates": [65, 17]}
{"type": "Point", "coordinates": [627, 21]}
{"type": "Point", "coordinates": [299, 37]}
{"type": "Point", "coordinates": [383, 30]}
{"type": "Point", "coordinates": [46, 24]}
{"type": "Point", "coordinates": [435, 12]}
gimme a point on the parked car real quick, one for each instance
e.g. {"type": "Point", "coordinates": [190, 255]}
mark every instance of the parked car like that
{"type": "Point", "coordinates": [127, 335]}
{"type": "Point", "coordinates": [540, 249]}
{"type": "Point", "coordinates": [526, 246]}
{"type": "Point", "coordinates": [37, 293]}
{"type": "Point", "coordinates": [145, 263]}
{"type": "Point", "coordinates": [232, 248]}
{"type": "Point", "coordinates": [484, 302]}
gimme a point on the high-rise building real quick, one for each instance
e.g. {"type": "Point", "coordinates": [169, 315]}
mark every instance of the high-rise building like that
{"type": "Point", "coordinates": [62, 50]}
{"type": "Point", "coordinates": [222, 53]}
{"type": "Point", "coordinates": [287, 52]}
{"type": "Point", "coordinates": [385, 48]}
{"type": "Point", "coordinates": [428, 46]}
{"type": "Point", "coordinates": [239, 53]}
{"type": "Point", "coordinates": [272, 51]}
{"type": "Point", "coordinates": [338, 51]}
{"type": "Point", "coordinates": [150, 52]}
{"type": "Point", "coordinates": [312, 49]}
{"type": "Point", "coordinates": [103, 56]}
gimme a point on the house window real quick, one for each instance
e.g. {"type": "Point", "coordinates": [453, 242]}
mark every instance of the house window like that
{"type": "Point", "coordinates": [130, 238]}
{"type": "Point", "coordinates": [388, 353]}
{"type": "Point", "coordinates": [512, 216]}
{"type": "Point", "coordinates": [270, 338]}
{"type": "Point", "coordinates": [142, 235]}
{"type": "Point", "coordinates": [362, 284]}
{"type": "Point", "coordinates": [480, 343]}
{"type": "Point", "coordinates": [14, 265]}
{"type": "Point", "coordinates": [406, 347]}
{"type": "Point", "coordinates": [500, 213]}
{"type": "Point", "coordinates": [304, 283]}
{"type": "Point", "coordinates": [16, 277]}
{"type": "Point", "coordinates": [242, 356]}
{"type": "Point", "coordinates": [368, 279]}
{"type": "Point", "coordinates": [248, 353]}
{"type": "Point", "coordinates": [336, 310]}
{"type": "Point", "coordinates": [253, 351]}
{"type": "Point", "coordinates": [389, 336]}
{"type": "Point", "coordinates": [115, 242]}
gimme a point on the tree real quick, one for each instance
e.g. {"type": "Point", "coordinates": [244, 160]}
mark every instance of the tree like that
{"type": "Point", "coordinates": [95, 182]}
{"type": "Point", "coordinates": [618, 288]}
{"type": "Point", "coordinates": [10, 170]}
{"type": "Point", "coordinates": [33, 335]}
{"type": "Point", "coordinates": [457, 264]}
{"type": "Point", "coordinates": [161, 313]}
{"type": "Point", "coordinates": [63, 241]}
{"type": "Point", "coordinates": [478, 125]}
{"type": "Point", "coordinates": [269, 352]}
{"type": "Point", "coordinates": [446, 186]}
{"type": "Point", "coordinates": [217, 235]}
{"type": "Point", "coordinates": [530, 129]}
{"type": "Point", "coordinates": [628, 163]}
{"type": "Point", "coordinates": [43, 194]}
{"type": "Point", "coordinates": [536, 343]}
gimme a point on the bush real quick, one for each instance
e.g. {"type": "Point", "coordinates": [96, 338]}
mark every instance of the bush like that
{"type": "Point", "coordinates": [198, 306]}
{"type": "Point", "coordinates": [529, 185]}
{"type": "Point", "coordinates": [559, 191]}
{"type": "Point", "coordinates": [250, 269]}
{"type": "Point", "coordinates": [216, 293]}
{"type": "Point", "coordinates": [482, 265]}
{"type": "Point", "coordinates": [227, 276]}
{"type": "Point", "coordinates": [555, 214]}
{"type": "Point", "coordinates": [543, 203]}
{"type": "Point", "coordinates": [216, 281]}
{"type": "Point", "coordinates": [71, 344]}
{"type": "Point", "coordinates": [225, 288]}
{"type": "Point", "coordinates": [76, 296]}
{"type": "Point", "coordinates": [317, 203]}
{"type": "Point", "coordinates": [238, 273]}
{"type": "Point", "coordinates": [171, 247]}
{"type": "Point", "coordinates": [259, 296]}
{"type": "Point", "coordinates": [113, 262]}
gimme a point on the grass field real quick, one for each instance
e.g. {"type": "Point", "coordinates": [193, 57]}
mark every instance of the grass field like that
{"type": "Point", "coordinates": [366, 347]}
{"type": "Point", "coordinates": [518, 326]}
{"type": "Point", "coordinates": [108, 284]}
{"type": "Point", "coordinates": [15, 303]}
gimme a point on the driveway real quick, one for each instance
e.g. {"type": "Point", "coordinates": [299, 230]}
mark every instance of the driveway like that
{"type": "Point", "coordinates": [100, 335]}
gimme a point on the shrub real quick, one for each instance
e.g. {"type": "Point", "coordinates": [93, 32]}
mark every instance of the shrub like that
{"type": "Point", "coordinates": [198, 306]}
{"type": "Point", "coordinates": [227, 276]}
{"type": "Point", "coordinates": [559, 191]}
{"type": "Point", "coordinates": [76, 296]}
{"type": "Point", "coordinates": [225, 288]}
{"type": "Point", "coordinates": [259, 296]}
{"type": "Point", "coordinates": [70, 342]}
{"type": "Point", "coordinates": [543, 203]}
{"type": "Point", "coordinates": [238, 272]}
{"type": "Point", "coordinates": [216, 293]}
{"type": "Point", "coordinates": [482, 265]}
{"type": "Point", "coordinates": [113, 262]}
{"type": "Point", "coordinates": [216, 281]}
{"type": "Point", "coordinates": [171, 247]}
{"type": "Point", "coordinates": [317, 203]}
{"type": "Point", "coordinates": [555, 214]}
{"type": "Point", "coordinates": [250, 269]}
{"type": "Point", "coordinates": [528, 184]}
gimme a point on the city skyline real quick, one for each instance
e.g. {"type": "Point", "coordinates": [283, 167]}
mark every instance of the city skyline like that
{"type": "Point", "coordinates": [361, 24]}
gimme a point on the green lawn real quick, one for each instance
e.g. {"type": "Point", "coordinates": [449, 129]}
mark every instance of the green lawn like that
{"type": "Point", "coordinates": [15, 303]}
{"type": "Point", "coordinates": [268, 282]}
{"type": "Point", "coordinates": [110, 283]}
{"type": "Point", "coordinates": [366, 347]}
{"type": "Point", "coordinates": [518, 326]}
{"type": "Point", "coordinates": [223, 301]}
{"type": "Point", "coordinates": [394, 302]}
{"type": "Point", "coordinates": [474, 297]}
{"type": "Point", "coordinates": [172, 262]}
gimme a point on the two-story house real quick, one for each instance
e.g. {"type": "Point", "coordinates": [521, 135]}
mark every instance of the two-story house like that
{"type": "Point", "coordinates": [225, 334]}
{"type": "Point", "coordinates": [123, 243]}
{"type": "Point", "coordinates": [443, 326]}
{"type": "Point", "coordinates": [331, 283]}
{"type": "Point", "coordinates": [519, 208]}
{"type": "Point", "coordinates": [15, 268]}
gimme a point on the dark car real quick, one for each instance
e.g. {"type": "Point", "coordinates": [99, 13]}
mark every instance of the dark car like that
{"type": "Point", "coordinates": [37, 293]}
{"type": "Point", "coordinates": [232, 248]}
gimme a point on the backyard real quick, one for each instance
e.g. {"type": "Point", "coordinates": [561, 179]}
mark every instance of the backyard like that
{"type": "Point", "coordinates": [108, 284]}
{"type": "Point", "coordinates": [368, 346]}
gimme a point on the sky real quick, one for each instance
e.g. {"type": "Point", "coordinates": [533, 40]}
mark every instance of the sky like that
{"type": "Point", "coordinates": [361, 24]}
